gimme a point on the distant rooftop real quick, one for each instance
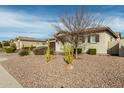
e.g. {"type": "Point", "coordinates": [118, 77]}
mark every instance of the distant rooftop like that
{"type": "Point", "coordinates": [22, 38]}
{"type": "Point", "coordinates": [30, 39]}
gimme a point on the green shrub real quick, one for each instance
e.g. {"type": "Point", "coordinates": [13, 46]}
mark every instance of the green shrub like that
{"type": "Point", "coordinates": [6, 44]}
{"type": "Point", "coordinates": [0, 45]}
{"type": "Point", "coordinates": [79, 51]}
{"type": "Point", "coordinates": [40, 50]}
{"type": "Point", "coordinates": [92, 51]}
{"type": "Point", "coordinates": [23, 52]}
{"type": "Point", "coordinates": [9, 50]}
{"type": "Point", "coordinates": [47, 55]}
{"type": "Point", "coordinates": [13, 45]}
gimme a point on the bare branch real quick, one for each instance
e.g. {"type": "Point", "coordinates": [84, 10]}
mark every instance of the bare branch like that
{"type": "Point", "coordinates": [72, 26]}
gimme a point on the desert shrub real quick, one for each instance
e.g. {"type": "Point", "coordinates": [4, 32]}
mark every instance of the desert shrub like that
{"type": "Point", "coordinates": [68, 54]}
{"type": "Point", "coordinates": [47, 55]}
{"type": "Point", "coordinates": [40, 50]}
{"type": "Point", "coordinates": [9, 50]}
{"type": "Point", "coordinates": [13, 45]}
{"type": "Point", "coordinates": [92, 51]}
{"type": "Point", "coordinates": [79, 51]}
{"type": "Point", "coordinates": [23, 52]}
{"type": "Point", "coordinates": [6, 44]}
{"type": "Point", "coordinates": [0, 45]}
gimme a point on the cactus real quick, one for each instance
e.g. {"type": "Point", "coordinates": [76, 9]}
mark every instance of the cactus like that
{"type": "Point", "coordinates": [47, 55]}
{"type": "Point", "coordinates": [68, 53]}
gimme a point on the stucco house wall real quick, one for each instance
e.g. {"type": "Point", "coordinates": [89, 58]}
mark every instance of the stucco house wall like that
{"type": "Point", "coordinates": [21, 44]}
{"type": "Point", "coordinates": [59, 47]}
{"type": "Point", "coordinates": [101, 46]}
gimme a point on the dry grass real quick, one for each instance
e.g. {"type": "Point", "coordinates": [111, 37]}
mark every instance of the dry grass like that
{"type": "Point", "coordinates": [88, 71]}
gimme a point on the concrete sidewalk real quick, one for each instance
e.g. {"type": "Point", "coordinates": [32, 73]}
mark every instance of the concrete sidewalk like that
{"type": "Point", "coordinates": [6, 80]}
{"type": "Point", "coordinates": [3, 59]}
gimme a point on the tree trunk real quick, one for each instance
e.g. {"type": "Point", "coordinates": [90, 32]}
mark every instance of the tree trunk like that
{"type": "Point", "coordinates": [76, 54]}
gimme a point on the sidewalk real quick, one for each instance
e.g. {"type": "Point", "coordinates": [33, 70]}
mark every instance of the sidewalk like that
{"type": "Point", "coordinates": [6, 80]}
{"type": "Point", "coordinates": [2, 59]}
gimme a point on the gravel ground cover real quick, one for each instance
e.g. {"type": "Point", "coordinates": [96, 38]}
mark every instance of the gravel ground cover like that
{"type": "Point", "coordinates": [88, 71]}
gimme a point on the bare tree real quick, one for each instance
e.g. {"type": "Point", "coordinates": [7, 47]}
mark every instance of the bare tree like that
{"type": "Point", "coordinates": [72, 27]}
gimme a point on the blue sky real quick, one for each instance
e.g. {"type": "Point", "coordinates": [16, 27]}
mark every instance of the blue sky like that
{"type": "Point", "coordinates": [37, 21]}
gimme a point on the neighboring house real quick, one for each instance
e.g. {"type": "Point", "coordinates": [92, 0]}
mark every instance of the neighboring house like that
{"type": "Point", "coordinates": [97, 38]}
{"type": "Point", "coordinates": [28, 42]}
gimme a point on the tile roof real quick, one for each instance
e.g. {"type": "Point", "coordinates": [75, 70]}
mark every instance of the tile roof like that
{"type": "Point", "coordinates": [29, 39]}
{"type": "Point", "coordinates": [92, 30]}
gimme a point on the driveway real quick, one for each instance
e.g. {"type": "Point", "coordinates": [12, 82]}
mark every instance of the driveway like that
{"type": "Point", "coordinates": [6, 80]}
{"type": "Point", "coordinates": [2, 57]}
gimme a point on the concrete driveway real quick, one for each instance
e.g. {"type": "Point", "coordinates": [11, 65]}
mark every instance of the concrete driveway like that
{"type": "Point", "coordinates": [6, 80]}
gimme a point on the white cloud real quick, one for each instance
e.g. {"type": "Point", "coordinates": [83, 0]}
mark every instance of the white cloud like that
{"type": "Point", "coordinates": [116, 23]}
{"type": "Point", "coordinates": [23, 24]}
{"type": "Point", "coordinates": [16, 20]}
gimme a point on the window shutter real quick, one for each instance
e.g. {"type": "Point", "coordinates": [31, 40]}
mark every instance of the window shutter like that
{"type": "Point", "coordinates": [89, 39]}
{"type": "Point", "coordinates": [97, 38]}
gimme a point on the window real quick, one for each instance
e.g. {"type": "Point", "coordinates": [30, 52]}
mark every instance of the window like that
{"type": "Point", "coordinates": [93, 39]}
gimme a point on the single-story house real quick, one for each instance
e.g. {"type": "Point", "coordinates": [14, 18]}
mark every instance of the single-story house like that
{"type": "Point", "coordinates": [28, 42]}
{"type": "Point", "coordinates": [98, 38]}
{"type": "Point", "coordinates": [21, 42]}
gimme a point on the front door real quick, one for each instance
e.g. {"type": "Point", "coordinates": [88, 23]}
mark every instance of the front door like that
{"type": "Point", "coordinates": [52, 46]}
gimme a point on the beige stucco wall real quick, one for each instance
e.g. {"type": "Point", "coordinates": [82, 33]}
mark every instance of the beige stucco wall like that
{"type": "Point", "coordinates": [21, 44]}
{"type": "Point", "coordinates": [59, 47]}
{"type": "Point", "coordinates": [101, 46]}
{"type": "Point", "coordinates": [121, 47]}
